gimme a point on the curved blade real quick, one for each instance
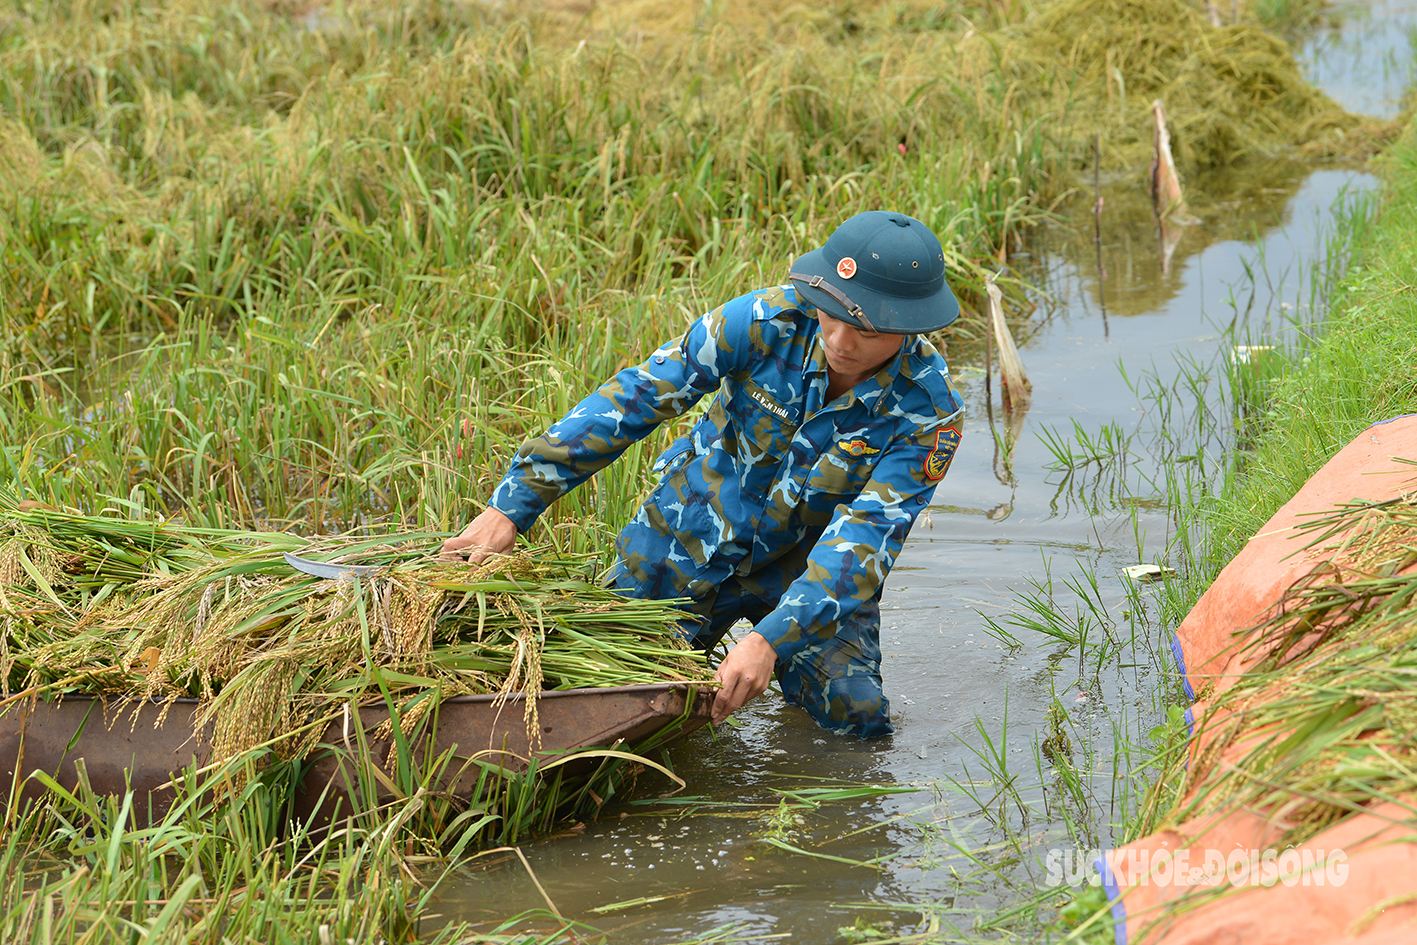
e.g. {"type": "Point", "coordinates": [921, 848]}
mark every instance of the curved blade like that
{"type": "Point", "coordinates": [331, 572]}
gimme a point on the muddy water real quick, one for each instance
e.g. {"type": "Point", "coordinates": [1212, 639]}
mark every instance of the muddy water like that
{"type": "Point", "coordinates": [1138, 352]}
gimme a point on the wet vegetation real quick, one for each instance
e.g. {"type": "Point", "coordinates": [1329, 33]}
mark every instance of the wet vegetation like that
{"type": "Point", "coordinates": [79, 869]}
{"type": "Point", "coordinates": [320, 269]}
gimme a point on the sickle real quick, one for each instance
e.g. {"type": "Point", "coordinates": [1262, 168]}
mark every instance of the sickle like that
{"type": "Point", "coordinates": [331, 572]}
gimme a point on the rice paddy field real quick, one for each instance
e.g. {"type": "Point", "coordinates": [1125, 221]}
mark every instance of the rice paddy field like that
{"type": "Point", "coordinates": [291, 276]}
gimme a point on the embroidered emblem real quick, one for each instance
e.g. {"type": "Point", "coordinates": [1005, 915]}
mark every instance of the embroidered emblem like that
{"type": "Point", "coordinates": [856, 448]}
{"type": "Point", "coordinates": [846, 268]}
{"type": "Point", "coordinates": [937, 461]}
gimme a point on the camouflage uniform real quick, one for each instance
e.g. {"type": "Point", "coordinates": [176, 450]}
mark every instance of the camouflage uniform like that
{"type": "Point", "coordinates": [777, 506]}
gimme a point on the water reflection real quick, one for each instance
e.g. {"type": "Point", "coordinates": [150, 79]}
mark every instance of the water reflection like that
{"type": "Point", "coordinates": [1363, 55]}
{"type": "Point", "coordinates": [1144, 270]}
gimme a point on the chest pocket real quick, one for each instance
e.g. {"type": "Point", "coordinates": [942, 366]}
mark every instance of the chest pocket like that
{"type": "Point", "coordinates": [836, 478]}
{"type": "Point", "coordinates": [673, 459]}
{"type": "Point", "coordinates": [844, 469]}
{"type": "Point", "coordinates": [763, 426]}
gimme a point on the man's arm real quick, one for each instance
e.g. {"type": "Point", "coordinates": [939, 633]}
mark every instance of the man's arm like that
{"type": "Point", "coordinates": [602, 426]}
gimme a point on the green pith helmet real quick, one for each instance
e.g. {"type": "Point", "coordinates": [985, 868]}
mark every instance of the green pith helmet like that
{"type": "Point", "coordinates": [880, 271]}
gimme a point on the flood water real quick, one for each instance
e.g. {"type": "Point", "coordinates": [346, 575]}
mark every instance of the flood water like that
{"type": "Point", "coordinates": [1143, 379]}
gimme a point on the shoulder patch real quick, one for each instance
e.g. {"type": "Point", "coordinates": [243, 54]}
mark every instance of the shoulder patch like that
{"type": "Point", "coordinates": [937, 461]}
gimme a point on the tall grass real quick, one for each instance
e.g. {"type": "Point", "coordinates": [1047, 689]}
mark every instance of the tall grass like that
{"type": "Point", "coordinates": [377, 421]}
{"type": "Point", "coordinates": [226, 865]}
{"type": "Point", "coordinates": [327, 267]}
{"type": "Point", "coordinates": [459, 163]}
{"type": "Point", "coordinates": [257, 271]}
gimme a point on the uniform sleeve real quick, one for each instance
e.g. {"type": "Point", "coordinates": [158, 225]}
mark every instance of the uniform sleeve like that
{"type": "Point", "coordinates": [622, 411]}
{"type": "Point", "coordinates": [848, 564]}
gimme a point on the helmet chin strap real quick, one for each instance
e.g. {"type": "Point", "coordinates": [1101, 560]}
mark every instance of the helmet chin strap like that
{"type": "Point", "coordinates": [852, 309]}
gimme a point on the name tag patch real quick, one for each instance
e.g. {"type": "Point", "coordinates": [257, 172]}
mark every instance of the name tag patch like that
{"type": "Point", "coordinates": [937, 461]}
{"type": "Point", "coordinates": [769, 406]}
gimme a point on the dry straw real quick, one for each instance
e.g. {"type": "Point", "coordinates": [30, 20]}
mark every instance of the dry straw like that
{"type": "Point", "coordinates": [1231, 92]}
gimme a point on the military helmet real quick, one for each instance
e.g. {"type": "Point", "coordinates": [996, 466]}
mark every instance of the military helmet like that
{"type": "Point", "coordinates": [879, 271]}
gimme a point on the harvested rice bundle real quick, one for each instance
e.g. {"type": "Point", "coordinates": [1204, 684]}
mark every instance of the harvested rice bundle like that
{"type": "Point", "coordinates": [148, 610]}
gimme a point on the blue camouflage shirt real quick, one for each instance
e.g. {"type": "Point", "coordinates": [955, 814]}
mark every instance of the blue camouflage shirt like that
{"type": "Point", "coordinates": [773, 481]}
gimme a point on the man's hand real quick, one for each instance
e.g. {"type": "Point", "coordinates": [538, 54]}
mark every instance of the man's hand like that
{"type": "Point", "coordinates": [744, 674]}
{"type": "Point", "coordinates": [491, 533]}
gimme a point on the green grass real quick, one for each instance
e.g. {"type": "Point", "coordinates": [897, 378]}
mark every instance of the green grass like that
{"type": "Point", "coordinates": [257, 274]}
{"type": "Point", "coordinates": [79, 868]}
{"type": "Point", "coordinates": [263, 270]}
{"type": "Point", "coordinates": [459, 164]}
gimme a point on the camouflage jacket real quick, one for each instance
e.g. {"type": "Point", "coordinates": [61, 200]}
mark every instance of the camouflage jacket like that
{"type": "Point", "coordinates": [771, 481]}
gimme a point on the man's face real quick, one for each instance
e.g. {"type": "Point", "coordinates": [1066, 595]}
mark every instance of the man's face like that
{"type": "Point", "coordinates": [853, 352]}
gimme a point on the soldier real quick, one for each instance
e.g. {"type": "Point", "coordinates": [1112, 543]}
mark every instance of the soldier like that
{"type": "Point", "coordinates": [788, 502]}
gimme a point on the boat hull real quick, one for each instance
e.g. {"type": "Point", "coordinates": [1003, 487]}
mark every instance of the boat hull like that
{"type": "Point", "coordinates": [116, 746]}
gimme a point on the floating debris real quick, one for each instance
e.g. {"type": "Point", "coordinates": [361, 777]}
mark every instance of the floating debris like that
{"type": "Point", "coordinates": [1148, 573]}
{"type": "Point", "coordinates": [1247, 354]}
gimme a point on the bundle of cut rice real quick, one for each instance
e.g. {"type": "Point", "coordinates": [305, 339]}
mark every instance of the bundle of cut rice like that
{"type": "Point", "coordinates": [104, 604]}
